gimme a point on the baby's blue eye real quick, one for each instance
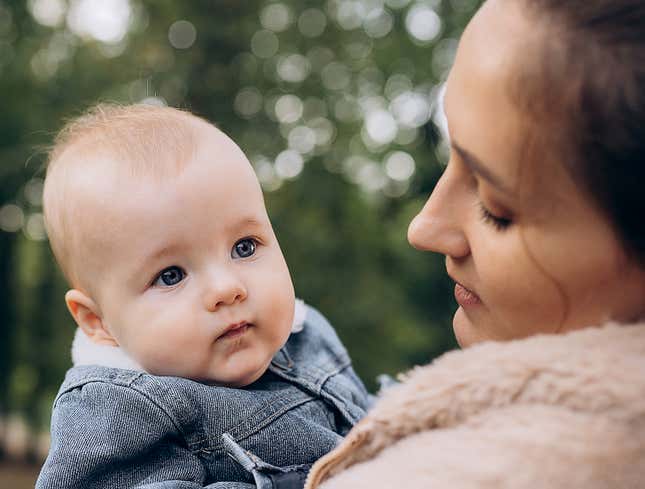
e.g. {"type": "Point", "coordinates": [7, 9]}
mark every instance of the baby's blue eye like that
{"type": "Point", "coordinates": [243, 248]}
{"type": "Point", "coordinates": [169, 276]}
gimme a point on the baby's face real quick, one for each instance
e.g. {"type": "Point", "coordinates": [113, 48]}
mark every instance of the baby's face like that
{"type": "Point", "coordinates": [193, 281]}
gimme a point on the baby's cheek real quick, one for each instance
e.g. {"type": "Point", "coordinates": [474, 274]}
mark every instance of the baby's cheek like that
{"type": "Point", "coordinates": [159, 347]}
{"type": "Point", "coordinates": [275, 299]}
{"type": "Point", "coordinates": [168, 359]}
{"type": "Point", "coordinates": [282, 318]}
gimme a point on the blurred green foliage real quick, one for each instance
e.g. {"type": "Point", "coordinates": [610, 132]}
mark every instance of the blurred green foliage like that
{"type": "Point", "coordinates": [334, 102]}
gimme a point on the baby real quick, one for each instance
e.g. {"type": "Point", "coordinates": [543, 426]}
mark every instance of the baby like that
{"type": "Point", "coordinates": [194, 365]}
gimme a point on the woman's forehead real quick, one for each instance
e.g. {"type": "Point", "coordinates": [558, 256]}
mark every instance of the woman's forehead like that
{"type": "Point", "coordinates": [483, 118]}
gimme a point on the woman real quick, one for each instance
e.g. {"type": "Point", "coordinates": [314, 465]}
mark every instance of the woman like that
{"type": "Point", "coordinates": [539, 216]}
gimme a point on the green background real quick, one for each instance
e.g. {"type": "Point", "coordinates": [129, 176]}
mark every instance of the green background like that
{"type": "Point", "coordinates": [331, 101]}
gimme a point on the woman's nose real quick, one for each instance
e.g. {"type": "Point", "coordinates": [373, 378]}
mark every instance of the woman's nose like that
{"type": "Point", "coordinates": [439, 225]}
{"type": "Point", "coordinates": [224, 289]}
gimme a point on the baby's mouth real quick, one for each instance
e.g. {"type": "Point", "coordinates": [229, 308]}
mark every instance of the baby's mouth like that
{"type": "Point", "coordinates": [234, 330]}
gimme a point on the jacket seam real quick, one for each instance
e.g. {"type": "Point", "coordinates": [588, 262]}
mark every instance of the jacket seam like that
{"type": "Point", "coordinates": [133, 389]}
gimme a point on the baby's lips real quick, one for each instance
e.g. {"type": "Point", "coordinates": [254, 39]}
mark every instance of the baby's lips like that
{"type": "Point", "coordinates": [234, 330]}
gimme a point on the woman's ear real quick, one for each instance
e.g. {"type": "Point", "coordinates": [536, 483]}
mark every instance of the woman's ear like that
{"type": "Point", "coordinates": [88, 317]}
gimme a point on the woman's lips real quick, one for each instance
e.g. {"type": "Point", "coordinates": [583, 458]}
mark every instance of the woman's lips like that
{"type": "Point", "coordinates": [466, 297]}
{"type": "Point", "coordinates": [234, 331]}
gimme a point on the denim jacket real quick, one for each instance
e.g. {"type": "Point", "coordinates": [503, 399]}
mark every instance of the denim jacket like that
{"type": "Point", "coordinates": [118, 428]}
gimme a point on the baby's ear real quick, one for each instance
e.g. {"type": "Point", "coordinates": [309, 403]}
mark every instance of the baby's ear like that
{"type": "Point", "coordinates": [87, 315]}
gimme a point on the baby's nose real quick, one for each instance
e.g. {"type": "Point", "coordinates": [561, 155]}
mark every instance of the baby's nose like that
{"type": "Point", "coordinates": [224, 290]}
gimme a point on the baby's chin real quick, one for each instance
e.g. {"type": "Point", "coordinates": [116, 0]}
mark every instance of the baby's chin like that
{"type": "Point", "coordinates": [236, 382]}
{"type": "Point", "coordinates": [221, 378]}
{"type": "Point", "coordinates": [239, 378]}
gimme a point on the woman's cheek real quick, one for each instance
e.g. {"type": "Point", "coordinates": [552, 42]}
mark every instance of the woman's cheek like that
{"type": "Point", "coordinates": [530, 298]}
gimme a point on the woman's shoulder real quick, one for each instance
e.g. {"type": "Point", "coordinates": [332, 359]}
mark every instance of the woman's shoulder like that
{"type": "Point", "coordinates": [589, 370]}
{"type": "Point", "coordinates": [518, 448]}
{"type": "Point", "coordinates": [502, 400]}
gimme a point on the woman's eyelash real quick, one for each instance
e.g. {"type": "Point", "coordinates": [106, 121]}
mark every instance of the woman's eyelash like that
{"type": "Point", "coordinates": [500, 223]}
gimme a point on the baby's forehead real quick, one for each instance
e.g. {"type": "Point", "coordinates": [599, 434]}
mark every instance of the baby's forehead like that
{"type": "Point", "coordinates": [101, 178]}
{"type": "Point", "coordinates": [157, 151]}
{"type": "Point", "coordinates": [100, 181]}
{"type": "Point", "coordinates": [100, 157]}
{"type": "Point", "coordinates": [117, 220]}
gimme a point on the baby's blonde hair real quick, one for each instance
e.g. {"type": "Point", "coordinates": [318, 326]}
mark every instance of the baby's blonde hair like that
{"type": "Point", "coordinates": [141, 140]}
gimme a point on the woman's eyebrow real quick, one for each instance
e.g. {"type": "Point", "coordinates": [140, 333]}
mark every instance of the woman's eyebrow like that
{"type": "Point", "coordinates": [480, 168]}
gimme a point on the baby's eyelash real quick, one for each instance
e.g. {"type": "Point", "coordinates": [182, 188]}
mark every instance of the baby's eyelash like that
{"type": "Point", "coordinates": [162, 277]}
{"type": "Point", "coordinates": [500, 223]}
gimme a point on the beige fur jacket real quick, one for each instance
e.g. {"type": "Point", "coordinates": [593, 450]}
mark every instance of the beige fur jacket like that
{"type": "Point", "coordinates": [548, 412]}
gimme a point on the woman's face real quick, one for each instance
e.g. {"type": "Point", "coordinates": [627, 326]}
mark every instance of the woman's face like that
{"type": "Point", "coordinates": [527, 249]}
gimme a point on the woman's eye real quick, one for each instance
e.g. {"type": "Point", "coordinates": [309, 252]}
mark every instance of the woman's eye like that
{"type": "Point", "coordinates": [169, 276]}
{"type": "Point", "coordinates": [244, 248]}
{"type": "Point", "coordinates": [500, 223]}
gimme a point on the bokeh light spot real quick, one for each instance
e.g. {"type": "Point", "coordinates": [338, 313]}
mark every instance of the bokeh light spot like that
{"type": "Point", "coordinates": [293, 68]}
{"type": "Point", "coordinates": [350, 14]}
{"type": "Point", "coordinates": [266, 173]}
{"type": "Point", "coordinates": [443, 56]}
{"type": "Point", "coordinates": [399, 165]}
{"type": "Point", "coordinates": [264, 44]}
{"type": "Point", "coordinates": [423, 23]}
{"type": "Point", "coordinates": [312, 22]}
{"type": "Point", "coordinates": [396, 84]}
{"type": "Point", "coordinates": [302, 139]}
{"type": "Point", "coordinates": [35, 227]}
{"type": "Point", "coordinates": [438, 113]}
{"type": "Point", "coordinates": [411, 109]}
{"type": "Point", "coordinates": [182, 34]}
{"type": "Point", "coordinates": [12, 218]}
{"type": "Point", "coordinates": [276, 17]}
{"type": "Point", "coordinates": [396, 188]}
{"type": "Point", "coordinates": [380, 126]}
{"type": "Point", "coordinates": [248, 102]}
{"type": "Point", "coordinates": [34, 191]}
{"type": "Point", "coordinates": [370, 177]}
{"type": "Point", "coordinates": [378, 23]}
{"type": "Point", "coordinates": [324, 130]}
{"type": "Point", "coordinates": [288, 108]}
{"type": "Point", "coordinates": [48, 12]}
{"type": "Point", "coordinates": [289, 164]}
{"type": "Point", "coordinates": [103, 20]}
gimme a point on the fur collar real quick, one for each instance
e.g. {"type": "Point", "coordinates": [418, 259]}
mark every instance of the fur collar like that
{"type": "Point", "coordinates": [85, 352]}
{"type": "Point", "coordinates": [592, 373]}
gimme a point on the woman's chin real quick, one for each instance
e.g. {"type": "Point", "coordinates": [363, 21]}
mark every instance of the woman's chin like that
{"type": "Point", "coordinates": [463, 328]}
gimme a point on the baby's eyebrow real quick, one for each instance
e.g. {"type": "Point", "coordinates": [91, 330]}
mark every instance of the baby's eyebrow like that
{"type": "Point", "coordinates": [163, 251]}
{"type": "Point", "coordinates": [153, 257]}
{"type": "Point", "coordinates": [248, 222]}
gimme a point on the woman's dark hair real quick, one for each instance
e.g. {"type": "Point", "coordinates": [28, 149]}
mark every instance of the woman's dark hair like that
{"type": "Point", "coordinates": [586, 91]}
